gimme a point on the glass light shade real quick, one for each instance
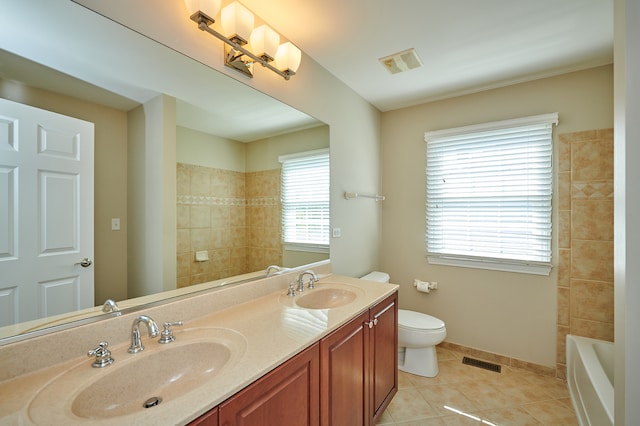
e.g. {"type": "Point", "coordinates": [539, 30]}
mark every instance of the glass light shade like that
{"type": "Point", "coordinates": [208, 7]}
{"type": "Point", "coordinates": [288, 57]}
{"type": "Point", "coordinates": [237, 21]}
{"type": "Point", "coordinates": [265, 41]}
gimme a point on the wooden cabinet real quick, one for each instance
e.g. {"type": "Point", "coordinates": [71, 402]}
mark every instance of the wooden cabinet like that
{"type": "Point", "coordinates": [288, 395]}
{"type": "Point", "coordinates": [209, 418]}
{"type": "Point", "coordinates": [348, 378]}
{"type": "Point", "coordinates": [359, 367]}
{"type": "Point", "coordinates": [384, 354]}
{"type": "Point", "coordinates": [344, 377]}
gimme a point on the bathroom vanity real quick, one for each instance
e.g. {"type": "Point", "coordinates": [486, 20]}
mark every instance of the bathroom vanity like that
{"type": "Point", "coordinates": [324, 356]}
{"type": "Point", "coordinates": [347, 378]}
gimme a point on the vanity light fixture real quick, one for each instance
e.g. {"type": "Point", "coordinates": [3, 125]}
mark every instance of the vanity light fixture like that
{"type": "Point", "coordinates": [239, 33]}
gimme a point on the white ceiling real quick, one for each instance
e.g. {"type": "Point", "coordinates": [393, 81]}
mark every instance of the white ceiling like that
{"type": "Point", "coordinates": [466, 45]}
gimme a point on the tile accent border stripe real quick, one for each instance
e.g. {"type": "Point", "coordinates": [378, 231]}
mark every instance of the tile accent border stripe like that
{"type": "Point", "coordinates": [195, 200]}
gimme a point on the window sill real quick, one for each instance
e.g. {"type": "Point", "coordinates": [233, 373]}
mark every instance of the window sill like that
{"type": "Point", "coordinates": [311, 248]}
{"type": "Point", "coordinates": [491, 264]}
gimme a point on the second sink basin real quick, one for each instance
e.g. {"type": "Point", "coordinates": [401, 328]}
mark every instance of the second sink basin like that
{"type": "Point", "coordinates": [158, 375]}
{"type": "Point", "coordinates": [326, 295]}
{"type": "Point", "coordinates": [325, 298]}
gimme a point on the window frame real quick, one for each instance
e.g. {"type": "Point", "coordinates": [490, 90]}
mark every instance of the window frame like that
{"type": "Point", "coordinates": [441, 256]}
{"type": "Point", "coordinates": [315, 247]}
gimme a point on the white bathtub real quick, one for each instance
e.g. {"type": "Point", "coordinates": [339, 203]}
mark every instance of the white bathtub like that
{"type": "Point", "coordinates": [590, 379]}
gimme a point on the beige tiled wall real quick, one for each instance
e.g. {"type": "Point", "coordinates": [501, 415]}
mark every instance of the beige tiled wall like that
{"type": "Point", "coordinates": [234, 216]}
{"type": "Point", "coordinates": [585, 239]}
{"type": "Point", "coordinates": [264, 219]}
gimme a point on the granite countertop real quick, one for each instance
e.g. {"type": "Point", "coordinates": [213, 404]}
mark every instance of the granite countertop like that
{"type": "Point", "coordinates": [269, 329]}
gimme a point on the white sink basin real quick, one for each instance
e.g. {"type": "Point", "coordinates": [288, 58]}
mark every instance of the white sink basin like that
{"type": "Point", "coordinates": [325, 296]}
{"type": "Point", "coordinates": [160, 373]}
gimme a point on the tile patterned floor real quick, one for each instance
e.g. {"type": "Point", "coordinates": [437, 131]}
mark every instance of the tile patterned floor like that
{"type": "Point", "coordinates": [467, 395]}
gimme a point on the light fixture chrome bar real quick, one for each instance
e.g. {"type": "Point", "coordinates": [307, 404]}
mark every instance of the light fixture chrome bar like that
{"type": "Point", "coordinates": [204, 23]}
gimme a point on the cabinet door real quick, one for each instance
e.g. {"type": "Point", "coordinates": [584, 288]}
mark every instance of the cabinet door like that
{"type": "Point", "coordinates": [344, 378]}
{"type": "Point", "coordinates": [384, 349]}
{"type": "Point", "coordinates": [209, 418]}
{"type": "Point", "coordinates": [288, 395]}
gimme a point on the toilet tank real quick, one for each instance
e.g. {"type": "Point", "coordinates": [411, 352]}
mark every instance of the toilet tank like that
{"type": "Point", "coordinates": [381, 277]}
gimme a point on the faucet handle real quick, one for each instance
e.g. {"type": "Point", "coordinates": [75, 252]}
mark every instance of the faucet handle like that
{"type": "Point", "coordinates": [102, 355]}
{"type": "Point", "coordinates": [166, 336]}
{"type": "Point", "coordinates": [312, 282]}
{"type": "Point", "coordinates": [292, 290]}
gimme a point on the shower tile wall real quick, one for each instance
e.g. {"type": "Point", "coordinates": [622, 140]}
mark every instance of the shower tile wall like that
{"type": "Point", "coordinates": [264, 219]}
{"type": "Point", "coordinates": [232, 216]}
{"type": "Point", "coordinates": [585, 238]}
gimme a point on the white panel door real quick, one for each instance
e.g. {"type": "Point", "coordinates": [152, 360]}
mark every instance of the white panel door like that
{"type": "Point", "coordinates": [46, 213]}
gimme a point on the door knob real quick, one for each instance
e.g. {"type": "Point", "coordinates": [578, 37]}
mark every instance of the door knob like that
{"type": "Point", "coordinates": [85, 263]}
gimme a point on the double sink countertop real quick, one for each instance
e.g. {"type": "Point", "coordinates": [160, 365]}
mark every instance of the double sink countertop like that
{"type": "Point", "coordinates": [230, 337]}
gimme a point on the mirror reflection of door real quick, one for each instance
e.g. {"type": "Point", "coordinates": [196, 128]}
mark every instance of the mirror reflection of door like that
{"type": "Point", "coordinates": [46, 214]}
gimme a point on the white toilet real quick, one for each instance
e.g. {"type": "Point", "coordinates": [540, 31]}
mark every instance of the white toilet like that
{"type": "Point", "coordinates": [418, 335]}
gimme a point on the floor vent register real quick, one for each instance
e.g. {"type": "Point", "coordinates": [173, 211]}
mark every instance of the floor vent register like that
{"type": "Point", "coordinates": [481, 364]}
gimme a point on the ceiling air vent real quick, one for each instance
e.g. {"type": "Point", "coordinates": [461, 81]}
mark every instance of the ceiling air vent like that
{"type": "Point", "coordinates": [401, 61]}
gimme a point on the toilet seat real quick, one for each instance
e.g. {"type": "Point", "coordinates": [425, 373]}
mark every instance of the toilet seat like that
{"type": "Point", "coordinates": [417, 321]}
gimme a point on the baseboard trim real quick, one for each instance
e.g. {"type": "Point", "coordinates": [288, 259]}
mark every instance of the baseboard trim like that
{"type": "Point", "coordinates": [499, 359]}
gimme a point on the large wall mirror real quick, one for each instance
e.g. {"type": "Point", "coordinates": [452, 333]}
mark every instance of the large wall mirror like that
{"type": "Point", "coordinates": [225, 168]}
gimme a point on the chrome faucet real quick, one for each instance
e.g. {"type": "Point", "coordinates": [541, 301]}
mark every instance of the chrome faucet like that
{"type": "Point", "coordinates": [312, 281]}
{"type": "Point", "coordinates": [273, 269]}
{"type": "Point", "coordinates": [110, 306]}
{"type": "Point", "coordinates": [136, 342]}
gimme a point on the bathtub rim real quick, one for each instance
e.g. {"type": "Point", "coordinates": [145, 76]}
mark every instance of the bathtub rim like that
{"type": "Point", "coordinates": [603, 387]}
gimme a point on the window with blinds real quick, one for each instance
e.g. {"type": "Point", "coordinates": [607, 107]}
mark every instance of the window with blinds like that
{"type": "Point", "coordinates": [489, 191]}
{"type": "Point", "coordinates": [305, 201]}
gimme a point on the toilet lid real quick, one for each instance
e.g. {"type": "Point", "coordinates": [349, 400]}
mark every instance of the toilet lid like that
{"type": "Point", "coordinates": [418, 320]}
{"type": "Point", "coordinates": [381, 277]}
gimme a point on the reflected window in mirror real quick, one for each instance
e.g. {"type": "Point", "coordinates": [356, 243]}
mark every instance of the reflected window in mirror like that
{"type": "Point", "coordinates": [305, 201]}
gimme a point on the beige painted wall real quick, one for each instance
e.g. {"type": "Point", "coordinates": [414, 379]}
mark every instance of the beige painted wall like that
{"type": "Point", "coordinates": [151, 191]}
{"type": "Point", "coordinates": [263, 154]}
{"type": "Point", "coordinates": [506, 313]}
{"type": "Point", "coordinates": [110, 180]}
{"type": "Point", "coordinates": [202, 149]}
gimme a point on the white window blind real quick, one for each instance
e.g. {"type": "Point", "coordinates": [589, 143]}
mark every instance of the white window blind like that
{"type": "Point", "coordinates": [489, 191]}
{"type": "Point", "coordinates": [305, 200]}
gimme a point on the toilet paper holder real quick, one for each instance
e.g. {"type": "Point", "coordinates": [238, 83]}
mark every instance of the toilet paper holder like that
{"type": "Point", "coordinates": [425, 286]}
